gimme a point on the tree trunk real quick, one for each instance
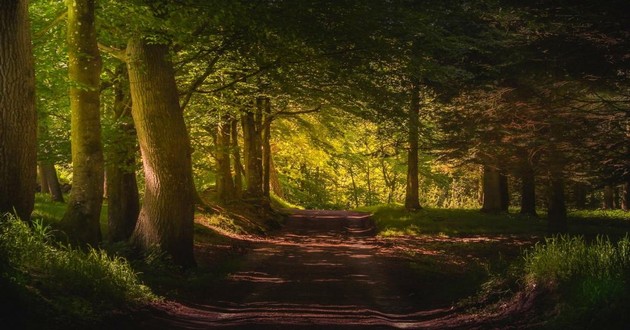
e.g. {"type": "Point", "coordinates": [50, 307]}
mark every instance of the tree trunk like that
{"type": "Point", "coordinates": [557, 211]}
{"type": "Point", "coordinates": [236, 159]}
{"type": "Point", "coordinates": [492, 201]}
{"type": "Point", "coordinates": [18, 120]}
{"type": "Point", "coordinates": [44, 188]}
{"type": "Point", "coordinates": [167, 215]}
{"type": "Point", "coordinates": [52, 181]}
{"type": "Point", "coordinates": [266, 148]}
{"type": "Point", "coordinates": [625, 196]}
{"type": "Point", "coordinates": [528, 192]}
{"type": "Point", "coordinates": [355, 194]}
{"type": "Point", "coordinates": [505, 194]}
{"type": "Point", "coordinates": [580, 196]}
{"type": "Point", "coordinates": [224, 181]}
{"type": "Point", "coordinates": [609, 198]}
{"type": "Point", "coordinates": [122, 188]}
{"type": "Point", "coordinates": [412, 198]}
{"type": "Point", "coordinates": [82, 218]}
{"type": "Point", "coordinates": [253, 151]}
{"type": "Point", "coordinates": [274, 180]}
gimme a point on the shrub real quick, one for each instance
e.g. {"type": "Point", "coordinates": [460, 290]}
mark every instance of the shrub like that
{"type": "Point", "coordinates": [78, 284]}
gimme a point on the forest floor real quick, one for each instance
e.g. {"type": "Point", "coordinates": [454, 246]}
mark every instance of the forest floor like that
{"type": "Point", "coordinates": [327, 269]}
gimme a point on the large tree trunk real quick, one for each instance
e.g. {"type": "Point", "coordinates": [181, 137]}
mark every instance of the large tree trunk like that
{"type": "Point", "coordinates": [253, 151]}
{"type": "Point", "coordinates": [528, 192]}
{"type": "Point", "coordinates": [122, 188]}
{"type": "Point", "coordinates": [82, 218]}
{"type": "Point", "coordinates": [266, 148]}
{"type": "Point", "coordinates": [412, 198]}
{"type": "Point", "coordinates": [167, 215]}
{"type": "Point", "coordinates": [224, 181]}
{"type": "Point", "coordinates": [504, 192]}
{"type": "Point", "coordinates": [236, 159]}
{"type": "Point", "coordinates": [18, 123]}
{"type": "Point", "coordinates": [609, 198]}
{"type": "Point", "coordinates": [492, 201]}
{"type": "Point", "coordinates": [49, 176]}
{"type": "Point", "coordinates": [557, 211]}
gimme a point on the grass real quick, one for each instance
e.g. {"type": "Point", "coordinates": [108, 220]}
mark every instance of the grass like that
{"type": "Point", "coordinates": [592, 279]}
{"type": "Point", "coordinates": [51, 212]}
{"type": "Point", "coordinates": [67, 285]}
{"type": "Point", "coordinates": [394, 220]}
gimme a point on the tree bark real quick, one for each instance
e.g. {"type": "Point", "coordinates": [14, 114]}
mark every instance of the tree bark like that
{"type": "Point", "coordinates": [580, 196]}
{"type": "Point", "coordinates": [504, 192]}
{"type": "Point", "coordinates": [492, 201]}
{"type": "Point", "coordinates": [609, 198]}
{"type": "Point", "coordinates": [82, 218]}
{"type": "Point", "coordinates": [167, 214]}
{"type": "Point", "coordinates": [18, 120]}
{"type": "Point", "coordinates": [122, 188]}
{"type": "Point", "coordinates": [236, 159]}
{"type": "Point", "coordinates": [224, 181]}
{"type": "Point", "coordinates": [557, 211]}
{"type": "Point", "coordinates": [412, 198]}
{"type": "Point", "coordinates": [625, 196]}
{"type": "Point", "coordinates": [253, 151]}
{"type": "Point", "coordinates": [266, 148]}
{"type": "Point", "coordinates": [44, 188]}
{"type": "Point", "coordinates": [49, 174]}
{"type": "Point", "coordinates": [528, 192]}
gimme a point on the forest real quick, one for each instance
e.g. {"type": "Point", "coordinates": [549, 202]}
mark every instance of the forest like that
{"type": "Point", "coordinates": [192, 164]}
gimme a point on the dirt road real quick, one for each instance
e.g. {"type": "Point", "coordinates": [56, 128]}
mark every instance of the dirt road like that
{"type": "Point", "coordinates": [324, 269]}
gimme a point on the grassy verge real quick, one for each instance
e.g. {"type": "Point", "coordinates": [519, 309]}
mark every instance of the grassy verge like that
{"type": "Point", "coordinates": [592, 280]}
{"type": "Point", "coordinates": [44, 280]}
{"type": "Point", "coordinates": [394, 220]}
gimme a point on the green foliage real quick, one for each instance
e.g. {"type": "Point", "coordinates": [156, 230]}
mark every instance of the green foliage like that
{"type": "Point", "coordinates": [593, 279]}
{"type": "Point", "coordinates": [77, 284]}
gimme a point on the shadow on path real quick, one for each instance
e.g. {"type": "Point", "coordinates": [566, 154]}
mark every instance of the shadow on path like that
{"type": "Point", "coordinates": [324, 269]}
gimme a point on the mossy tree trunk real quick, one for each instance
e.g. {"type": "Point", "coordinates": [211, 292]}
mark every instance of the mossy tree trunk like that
{"type": "Point", "coordinates": [122, 188]}
{"type": "Point", "coordinates": [253, 150]}
{"type": "Point", "coordinates": [167, 215]}
{"type": "Point", "coordinates": [82, 218]}
{"type": "Point", "coordinates": [18, 120]}
{"type": "Point", "coordinates": [266, 148]}
{"type": "Point", "coordinates": [412, 198]}
{"type": "Point", "coordinates": [236, 159]}
{"type": "Point", "coordinates": [224, 181]}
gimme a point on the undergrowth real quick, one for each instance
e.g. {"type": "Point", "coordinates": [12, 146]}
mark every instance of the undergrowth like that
{"type": "Point", "coordinates": [69, 285]}
{"type": "Point", "coordinates": [593, 280]}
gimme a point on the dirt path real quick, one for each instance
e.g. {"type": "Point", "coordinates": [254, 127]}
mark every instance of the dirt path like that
{"type": "Point", "coordinates": [325, 269]}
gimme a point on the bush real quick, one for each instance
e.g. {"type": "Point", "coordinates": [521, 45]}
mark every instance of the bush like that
{"type": "Point", "coordinates": [593, 280]}
{"type": "Point", "coordinates": [77, 284]}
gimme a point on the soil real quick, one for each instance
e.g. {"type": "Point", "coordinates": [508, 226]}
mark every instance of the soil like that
{"type": "Point", "coordinates": [328, 270]}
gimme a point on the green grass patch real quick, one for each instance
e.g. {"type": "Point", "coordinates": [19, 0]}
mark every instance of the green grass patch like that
{"type": "Point", "coordinates": [394, 220]}
{"type": "Point", "coordinates": [593, 279]}
{"type": "Point", "coordinates": [69, 285]}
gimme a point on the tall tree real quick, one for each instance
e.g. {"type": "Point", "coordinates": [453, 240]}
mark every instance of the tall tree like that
{"type": "Point", "coordinates": [412, 199]}
{"type": "Point", "coordinates": [123, 201]}
{"type": "Point", "coordinates": [224, 181]}
{"type": "Point", "coordinates": [167, 214]}
{"type": "Point", "coordinates": [18, 119]}
{"type": "Point", "coordinates": [82, 218]}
